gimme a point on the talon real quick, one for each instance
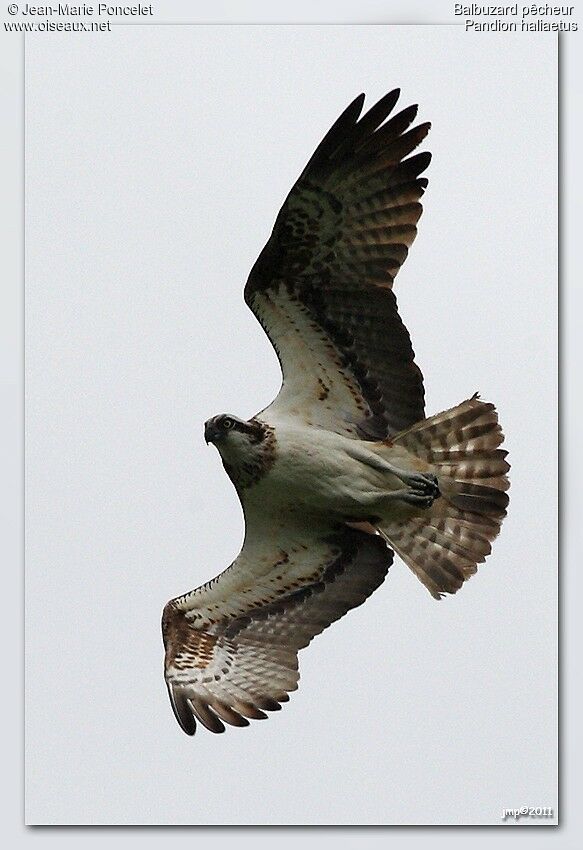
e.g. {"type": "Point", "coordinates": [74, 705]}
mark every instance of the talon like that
{"type": "Point", "coordinates": [425, 484]}
{"type": "Point", "coordinates": [414, 497]}
{"type": "Point", "coordinates": [423, 490]}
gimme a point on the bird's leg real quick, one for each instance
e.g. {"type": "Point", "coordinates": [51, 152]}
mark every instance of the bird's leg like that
{"type": "Point", "coordinates": [424, 481]}
{"type": "Point", "coordinates": [416, 480]}
{"type": "Point", "coordinates": [417, 496]}
{"type": "Point", "coordinates": [421, 487]}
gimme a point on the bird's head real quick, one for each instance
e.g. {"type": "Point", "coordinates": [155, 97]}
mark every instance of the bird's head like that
{"type": "Point", "coordinates": [233, 436]}
{"type": "Point", "coordinates": [245, 447]}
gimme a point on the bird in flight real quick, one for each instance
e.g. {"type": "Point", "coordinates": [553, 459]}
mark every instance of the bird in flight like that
{"type": "Point", "coordinates": [342, 469]}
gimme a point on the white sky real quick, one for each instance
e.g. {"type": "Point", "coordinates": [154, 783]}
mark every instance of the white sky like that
{"type": "Point", "coordinates": [157, 159]}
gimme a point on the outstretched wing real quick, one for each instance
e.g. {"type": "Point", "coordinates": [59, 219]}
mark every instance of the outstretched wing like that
{"type": "Point", "coordinates": [232, 644]}
{"type": "Point", "coordinates": [321, 287]}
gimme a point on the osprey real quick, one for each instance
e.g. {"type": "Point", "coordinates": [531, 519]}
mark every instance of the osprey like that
{"type": "Point", "coordinates": [342, 469]}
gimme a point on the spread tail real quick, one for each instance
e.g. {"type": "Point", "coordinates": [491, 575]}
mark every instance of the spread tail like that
{"type": "Point", "coordinates": [444, 544]}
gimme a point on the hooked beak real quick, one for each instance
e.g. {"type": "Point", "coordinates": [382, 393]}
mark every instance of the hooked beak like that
{"type": "Point", "coordinates": [211, 432]}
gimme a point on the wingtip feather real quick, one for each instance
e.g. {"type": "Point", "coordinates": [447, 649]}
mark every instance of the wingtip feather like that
{"type": "Point", "coordinates": [181, 711]}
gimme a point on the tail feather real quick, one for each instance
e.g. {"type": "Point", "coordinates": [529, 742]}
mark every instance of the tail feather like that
{"type": "Point", "coordinates": [444, 544]}
{"type": "Point", "coordinates": [476, 498]}
{"type": "Point", "coordinates": [487, 467]}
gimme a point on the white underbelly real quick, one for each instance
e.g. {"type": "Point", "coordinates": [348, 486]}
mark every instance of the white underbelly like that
{"type": "Point", "coordinates": [313, 469]}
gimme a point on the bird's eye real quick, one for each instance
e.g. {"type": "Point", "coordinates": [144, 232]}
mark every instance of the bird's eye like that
{"type": "Point", "coordinates": [228, 423]}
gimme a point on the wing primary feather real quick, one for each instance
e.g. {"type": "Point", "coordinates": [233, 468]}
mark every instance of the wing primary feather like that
{"type": "Point", "coordinates": [367, 125]}
{"type": "Point", "coordinates": [378, 112]}
{"type": "Point", "coordinates": [248, 709]}
{"type": "Point", "coordinates": [233, 718]}
{"type": "Point", "coordinates": [393, 128]}
{"type": "Point", "coordinates": [203, 713]}
{"type": "Point", "coordinates": [411, 167]}
{"type": "Point", "coordinates": [181, 709]}
{"type": "Point", "coordinates": [335, 135]}
{"type": "Point", "coordinates": [267, 703]}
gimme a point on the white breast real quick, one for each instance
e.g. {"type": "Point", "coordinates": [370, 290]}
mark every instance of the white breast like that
{"type": "Point", "coordinates": [313, 468]}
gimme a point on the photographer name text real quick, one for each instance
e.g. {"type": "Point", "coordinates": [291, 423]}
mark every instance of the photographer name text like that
{"type": "Point", "coordinates": [64, 10]}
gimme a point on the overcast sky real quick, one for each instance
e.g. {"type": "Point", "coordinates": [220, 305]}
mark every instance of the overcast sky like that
{"type": "Point", "coordinates": [157, 159]}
